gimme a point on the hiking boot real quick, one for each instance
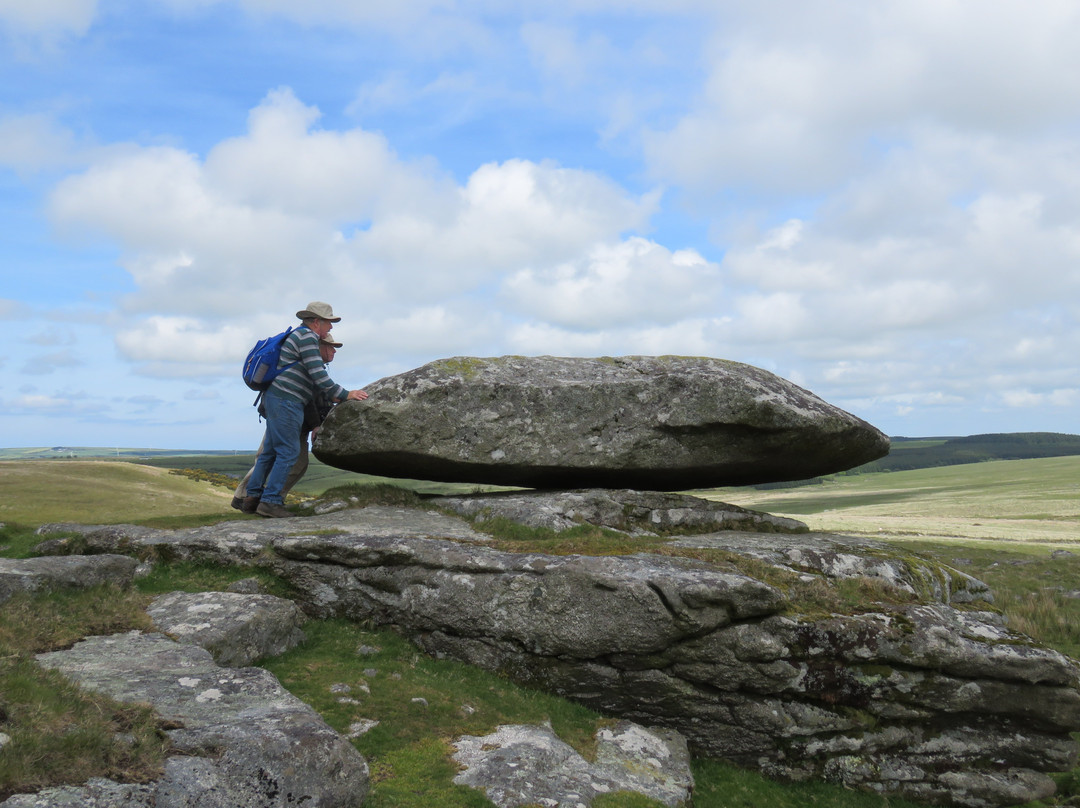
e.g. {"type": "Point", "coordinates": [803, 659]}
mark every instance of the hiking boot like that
{"type": "Point", "coordinates": [273, 510]}
{"type": "Point", "coordinates": [249, 505]}
{"type": "Point", "coordinates": [238, 503]}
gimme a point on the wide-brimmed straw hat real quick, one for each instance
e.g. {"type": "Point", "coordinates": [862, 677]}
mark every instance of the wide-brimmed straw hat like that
{"type": "Point", "coordinates": [329, 340]}
{"type": "Point", "coordinates": [316, 308]}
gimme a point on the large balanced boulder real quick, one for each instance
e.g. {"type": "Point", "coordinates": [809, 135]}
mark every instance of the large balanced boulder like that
{"type": "Point", "coordinates": [657, 423]}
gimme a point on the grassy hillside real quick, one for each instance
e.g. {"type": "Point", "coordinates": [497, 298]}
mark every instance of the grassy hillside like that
{"type": "Point", "coordinates": [919, 453]}
{"type": "Point", "coordinates": [1012, 500]}
{"type": "Point", "coordinates": [102, 492]}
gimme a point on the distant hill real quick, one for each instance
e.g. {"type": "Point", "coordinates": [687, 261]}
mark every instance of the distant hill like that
{"type": "Point", "coordinates": [906, 454]}
{"type": "Point", "coordinates": [921, 453]}
{"type": "Point", "coordinates": [96, 452]}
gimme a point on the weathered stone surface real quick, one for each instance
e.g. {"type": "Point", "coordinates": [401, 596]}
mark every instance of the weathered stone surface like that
{"type": "Point", "coordinates": [520, 765]}
{"type": "Point", "coordinates": [242, 739]}
{"type": "Point", "coordinates": [839, 556]}
{"type": "Point", "coordinates": [236, 629]}
{"type": "Point", "coordinates": [656, 423]}
{"type": "Point", "coordinates": [97, 793]}
{"type": "Point", "coordinates": [634, 512]}
{"type": "Point", "coordinates": [581, 606]}
{"type": "Point", "coordinates": [67, 572]}
{"type": "Point", "coordinates": [243, 542]}
{"type": "Point", "coordinates": [921, 700]}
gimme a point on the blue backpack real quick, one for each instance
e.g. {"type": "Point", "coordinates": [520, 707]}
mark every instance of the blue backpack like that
{"type": "Point", "coordinates": [261, 365]}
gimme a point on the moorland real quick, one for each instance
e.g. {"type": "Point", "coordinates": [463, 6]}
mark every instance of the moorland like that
{"type": "Point", "coordinates": [1014, 523]}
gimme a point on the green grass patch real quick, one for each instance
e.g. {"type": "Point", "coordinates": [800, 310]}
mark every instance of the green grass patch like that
{"type": "Point", "coordinates": [196, 576]}
{"type": "Point", "coordinates": [46, 621]}
{"type": "Point", "coordinates": [19, 541]}
{"type": "Point", "coordinates": [36, 492]}
{"type": "Point", "coordinates": [61, 734]}
{"type": "Point", "coordinates": [351, 674]}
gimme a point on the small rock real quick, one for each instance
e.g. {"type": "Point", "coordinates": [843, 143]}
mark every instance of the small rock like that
{"type": "Point", "coordinates": [420, 700]}
{"type": "Point", "coordinates": [519, 765]}
{"type": "Point", "coordinates": [367, 650]}
{"type": "Point", "coordinates": [361, 727]}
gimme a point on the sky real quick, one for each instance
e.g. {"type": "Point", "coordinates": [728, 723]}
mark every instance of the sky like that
{"type": "Point", "coordinates": [877, 201]}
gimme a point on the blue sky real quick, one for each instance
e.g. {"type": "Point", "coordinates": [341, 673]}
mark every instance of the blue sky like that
{"type": "Point", "coordinates": [877, 201]}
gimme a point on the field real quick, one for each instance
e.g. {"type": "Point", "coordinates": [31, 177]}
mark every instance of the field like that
{"type": "Point", "coordinates": [34, 492]}
{"type": "Point", "coordinates": [1013, 523]}
{"type": "Point", "coordinates": [1035, 500]}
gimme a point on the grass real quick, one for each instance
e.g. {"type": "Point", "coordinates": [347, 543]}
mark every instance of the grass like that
{"type": "Point", "coordinates": [101, 492]}
{"type": "Point", "coordinates": [58, 732]}
{"type": "Point", "coordinates": [1005, 500]}
{"type": "Point", "coordinates": [420, 703]}
{"type": "Point", "coordinates": [956, 515]}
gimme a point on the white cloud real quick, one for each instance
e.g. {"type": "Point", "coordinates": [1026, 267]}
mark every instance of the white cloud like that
{"type": "Point", "coordinates": [686, 338]}
{"type": "Point", "coordinates": [290, 212]}
{"type": "Point", "coordinates": [634, 281]}
{"type": "Point", "coordinates": [161, 339]}
{"type": "Point", "coordinates": [797, 101]}
{"type": "Point", "coordinates": [284, 164]}
{"type": "Point", "coordinates": [507, 215]}
{"type": "Point", "coordinates": [33, 142]}
{"type": "Point", "coordinates": [47, 19]}
{"type": "Point", "coordinates": [892, 191]}
{"type": "Point", "coordinates": [1023, 398]}
{"type": "Point", "coordinates": [558, 53]}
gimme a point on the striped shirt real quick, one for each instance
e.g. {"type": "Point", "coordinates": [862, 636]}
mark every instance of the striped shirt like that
{"type": "Point", "coordinates": [309, 373]}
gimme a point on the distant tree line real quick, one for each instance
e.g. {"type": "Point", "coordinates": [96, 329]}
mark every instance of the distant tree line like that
{"type": "Point", "coordinates": [907, 454]}
{"type": "Point", "coordinates": [973, 449]}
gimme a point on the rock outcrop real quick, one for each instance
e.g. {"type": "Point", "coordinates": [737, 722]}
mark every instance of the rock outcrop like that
{"type": "Point", "coordinates": [72, 572]}
{"type": "Point", "coordinates": [520, 765]}
{"type": "Point", "coordinates": [236, 629]}
{"type": "Point", "coordinates": [239, 739]}
{"type": "Point", "coordinates": [654, 423]}
{"type": "Point", "coordinates": [906, 696]}
{"type": "Point", "coordinates": [633, 512]}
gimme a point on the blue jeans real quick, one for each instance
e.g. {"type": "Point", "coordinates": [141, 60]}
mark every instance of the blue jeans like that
{"type": "Point", "coordinates": [281, 447]}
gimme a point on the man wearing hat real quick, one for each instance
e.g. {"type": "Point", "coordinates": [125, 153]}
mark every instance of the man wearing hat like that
{"type": "Point", "coordinates": [314, 414]}
{"type": "Point", "coordinates": [304, 375]}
